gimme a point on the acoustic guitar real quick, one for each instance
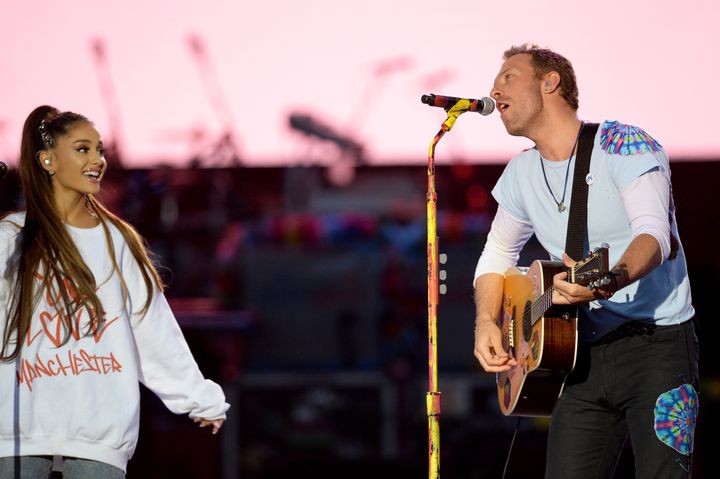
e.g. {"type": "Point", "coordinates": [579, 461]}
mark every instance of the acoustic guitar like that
{"type": "Point", "coordinates": [542, 337]}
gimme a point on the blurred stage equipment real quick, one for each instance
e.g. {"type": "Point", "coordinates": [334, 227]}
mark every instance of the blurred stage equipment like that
{"type": "Point", "coordinates": [341, 171]}
{"type": "Point", "coordinates": [225, 151]}
{"type": "Point", "coordinates": [113, 149]}
{"type": "Point", "coordinates": [381, 72]}
{"type": "Point", "coordinates": [3, 170]}
{"type": "Point", "coordinates": [454, 107]}
{"type": "Point", "coordinates": [306, 124]}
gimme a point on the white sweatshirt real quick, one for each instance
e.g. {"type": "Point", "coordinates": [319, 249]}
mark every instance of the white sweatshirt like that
{"type": "Point", "coordinates": [82, 399]}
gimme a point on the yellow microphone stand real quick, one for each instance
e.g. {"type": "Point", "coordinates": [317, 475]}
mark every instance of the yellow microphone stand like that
{"type": "Point", "coordinates": [433, 395]}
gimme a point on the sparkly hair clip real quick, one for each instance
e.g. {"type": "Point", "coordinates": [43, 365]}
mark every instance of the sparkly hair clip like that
{"type": "Point", "coordinates": [45, 136]}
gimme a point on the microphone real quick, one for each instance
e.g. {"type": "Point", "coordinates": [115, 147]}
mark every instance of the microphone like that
{"type": "Point", "coordinates": [484, 106]}
{"type": "Point", "coordinates": [3, 170]}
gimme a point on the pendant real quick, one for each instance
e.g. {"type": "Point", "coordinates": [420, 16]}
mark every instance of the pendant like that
{"type": "Point", "coordinates": [561, 207]}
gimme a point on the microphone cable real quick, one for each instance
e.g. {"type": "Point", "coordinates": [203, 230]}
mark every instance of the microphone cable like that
{"type": "Point", "coordinates": [512, 443]}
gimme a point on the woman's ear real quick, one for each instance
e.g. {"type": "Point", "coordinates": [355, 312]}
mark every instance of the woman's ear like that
{"type": "Point", "coordinates": [46, 161]}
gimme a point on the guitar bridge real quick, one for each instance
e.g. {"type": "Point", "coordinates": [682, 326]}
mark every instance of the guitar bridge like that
{"type": "Point", "coordinates": [511, 333]}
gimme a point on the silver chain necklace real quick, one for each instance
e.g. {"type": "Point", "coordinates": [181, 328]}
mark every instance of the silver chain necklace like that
{"type": "Point", "coordinates": [561, 204]}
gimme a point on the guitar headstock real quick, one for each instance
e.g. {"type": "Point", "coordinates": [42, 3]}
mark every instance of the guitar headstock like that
{"type": "Point", "coordinates": [592, 268]}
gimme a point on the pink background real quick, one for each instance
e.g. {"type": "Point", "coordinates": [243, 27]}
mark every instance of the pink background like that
{"type": "Point", "coordinates": [357, 66]}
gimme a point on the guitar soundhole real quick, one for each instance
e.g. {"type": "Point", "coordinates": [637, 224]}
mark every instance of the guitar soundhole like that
{"type": "Point", "coordinates": [526, 323]}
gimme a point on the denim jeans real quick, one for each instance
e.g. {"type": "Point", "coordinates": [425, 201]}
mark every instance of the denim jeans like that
{"type": "Point", "coordinates": [40, 467]}
{"type": "Point", "coordinates": [615, 391]}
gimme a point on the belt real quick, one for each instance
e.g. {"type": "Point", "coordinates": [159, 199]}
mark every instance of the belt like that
{"type": "Point", "coordinates": [626, 330]}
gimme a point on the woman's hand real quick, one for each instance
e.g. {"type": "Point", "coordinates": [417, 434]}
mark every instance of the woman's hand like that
{"type": "Point", "coordinates": [215, 423]}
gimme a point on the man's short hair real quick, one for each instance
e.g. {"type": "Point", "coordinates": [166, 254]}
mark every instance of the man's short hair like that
{"type": "Point", "coordinates": [546, 61]}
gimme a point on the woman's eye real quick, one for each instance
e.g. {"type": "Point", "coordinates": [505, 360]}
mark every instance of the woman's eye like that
{"type": "Point", "coordinates": [83, 149]}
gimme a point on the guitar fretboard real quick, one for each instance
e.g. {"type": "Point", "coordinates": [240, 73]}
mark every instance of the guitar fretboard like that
{"type": "Point", "coordinates": [544, 301]}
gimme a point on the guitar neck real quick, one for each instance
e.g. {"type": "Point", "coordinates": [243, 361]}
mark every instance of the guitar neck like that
{"type": "Point", "coordinates": [544, 301]}
{"type": "Point", "coordinates": [583, 272]}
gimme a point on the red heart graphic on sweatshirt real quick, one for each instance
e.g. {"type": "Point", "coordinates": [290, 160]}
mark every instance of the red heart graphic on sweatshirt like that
{"type": "Point", "coordinates": [46, 319]}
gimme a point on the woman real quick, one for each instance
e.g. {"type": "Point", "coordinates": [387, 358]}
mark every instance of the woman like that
{"type": "Point", "coordinates": [83, 318]}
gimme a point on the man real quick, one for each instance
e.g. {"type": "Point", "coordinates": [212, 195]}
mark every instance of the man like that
{"type": "Point", "coordinates": [638, 351]}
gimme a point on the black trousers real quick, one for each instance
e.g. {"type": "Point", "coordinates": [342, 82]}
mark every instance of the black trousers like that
{"type": "Point", "coordinates": [613, 392]}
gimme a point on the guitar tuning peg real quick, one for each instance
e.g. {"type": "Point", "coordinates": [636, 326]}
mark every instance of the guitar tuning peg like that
{"type": "Point", "coordinates": [442, 258]}
{"type": "Point", "coordinates": [443, 289]}
{"type": "Point", "coordinates": [443, 275]}
{"type": "Point", "coordinates": [603, 245]}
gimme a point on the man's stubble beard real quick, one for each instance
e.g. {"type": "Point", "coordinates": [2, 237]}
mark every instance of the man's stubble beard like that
{"type": "Point", "coordinates": [535, 110]}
